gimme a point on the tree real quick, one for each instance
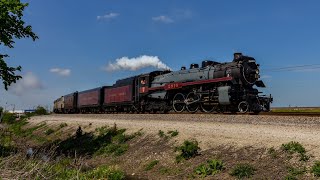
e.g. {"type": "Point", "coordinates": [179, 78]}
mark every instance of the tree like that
{"type": "Point", "coordinates": [12, 27]}
{"type": "Point", "coordinates": [41, 111]}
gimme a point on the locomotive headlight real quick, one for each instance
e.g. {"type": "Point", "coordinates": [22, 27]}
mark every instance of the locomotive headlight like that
{"type": "Point", "coordinates": [257, 71]}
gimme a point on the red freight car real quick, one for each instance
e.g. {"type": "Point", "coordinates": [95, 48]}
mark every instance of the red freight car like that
{"type": "Point", "coordinates": [90, 100]}
{"type": "Point", "coordinates": [70, 103]}
{"type": "Point", "coordinates": [118, 94]}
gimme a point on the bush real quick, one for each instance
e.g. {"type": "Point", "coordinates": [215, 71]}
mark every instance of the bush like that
{"type": "Point", "coordinates": [187, 150]}
{"type": "Point", "coordinates": [8, 118]}
{"type": "Point", "coordinates": [242, 170]}
{"type": "Point", "coordinates": [41, 111]}
{"type": "Point", "coordinates": [316, 169]}
{"type": "Point", "coordinates": [150, 165]}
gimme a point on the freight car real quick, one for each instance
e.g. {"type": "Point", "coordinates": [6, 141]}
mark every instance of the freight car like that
{"type": "Point", "coordinates": [213, 87]}
{"type": "Point", "coordinates": [58, 105]}
{"type": "Point", "coordinates": [91, 100]}
{"type": "Point", "coordinates": [70, 103]}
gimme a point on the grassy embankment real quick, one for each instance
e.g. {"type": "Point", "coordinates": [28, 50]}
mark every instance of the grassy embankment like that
{"type": "Point", "coordinates": [296, 110]}
{"type": "Point", "coordinates": [42, 151]}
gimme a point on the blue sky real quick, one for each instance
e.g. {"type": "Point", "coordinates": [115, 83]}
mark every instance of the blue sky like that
{"type": "Point", "coordinates": [77, 39]}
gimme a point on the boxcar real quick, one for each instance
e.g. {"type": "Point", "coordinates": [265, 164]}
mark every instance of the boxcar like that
{"type": "Point", "coordinates": [70, 103]}
{"type": "Point", "coordinates": [90, 100]}
{"type": "Point", "coordinates": [120, 96]}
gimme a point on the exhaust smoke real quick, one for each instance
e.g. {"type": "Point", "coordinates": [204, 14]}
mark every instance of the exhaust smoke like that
{"type": "Point", "coordinates": [136, 63]}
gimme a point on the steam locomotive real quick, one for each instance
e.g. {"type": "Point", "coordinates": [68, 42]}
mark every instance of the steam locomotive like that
{"type": "Point", "coordinates": [213, 87]}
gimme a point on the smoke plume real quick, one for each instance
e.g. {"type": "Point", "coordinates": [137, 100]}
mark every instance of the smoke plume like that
{"type": "Point", "coordinates": [136, 63]}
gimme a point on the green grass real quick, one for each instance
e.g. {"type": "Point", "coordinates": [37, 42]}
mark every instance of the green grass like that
{"type": "Point", "coordinates": [104, 141]}
{"type": "Point", "coordinates": [294, 172]}
{"type": "Point", "coordinates": [161, 133]}
{"type": "Point", "coordinates": [151, 165]}
{"type": "Point", "coordinates": [48, 131]}
{"type": "Point", "coordinates": [62, 125]}
{"type": "Point", "coordinates": [65, 170]}
{"type": "Point", "coordinates": [18, 130]}
{"type": "Point", "coordinates": [296, 147]}
{"type": "Point", "coordinates": [296, 110]}
{"type": "Point", "coordinates": [293, 147]}
{"type": "Point", "coordinates": [316, 169]}
{"type": "Point", "coordinates": [8, 118]}
{"type": "Point", "coordinates": [104, 172]}
{"type": "Point", "coordinates": [187, 150]}
{"type": "Point", "coordinates": [173, 133]}
{"type": "Point", "coordinates": [242, 171]}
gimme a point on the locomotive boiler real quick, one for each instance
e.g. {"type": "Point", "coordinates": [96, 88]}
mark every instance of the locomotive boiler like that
{"type": "Point", "coordinates": [213, 87]}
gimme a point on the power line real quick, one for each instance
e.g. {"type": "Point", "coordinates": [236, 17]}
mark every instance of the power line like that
{"type": "Point", "coordinates": [294, 68]}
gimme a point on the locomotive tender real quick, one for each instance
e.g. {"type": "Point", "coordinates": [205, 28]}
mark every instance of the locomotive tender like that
{"type": "Point", "coordinates": [213, 87]}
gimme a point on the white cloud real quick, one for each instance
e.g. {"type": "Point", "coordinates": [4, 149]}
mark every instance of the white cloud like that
{"type": "Point", "coordinates": [136, 63]}
{"type": "Point", "coordinates": [162, 18]}
{"type": "Point", "coordinates": [28, 82]}
{"type": "Point", "coordinates": [61, 72]}
{"type": "Point", "coordinates": [108, 16]}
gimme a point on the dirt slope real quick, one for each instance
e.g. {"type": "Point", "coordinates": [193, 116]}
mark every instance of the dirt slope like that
{"type": "Point", "coordinates": [210, 130]}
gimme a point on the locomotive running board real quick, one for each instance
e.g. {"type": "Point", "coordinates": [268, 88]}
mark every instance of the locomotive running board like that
{"type": "Point", "coordinates": [178, 85]}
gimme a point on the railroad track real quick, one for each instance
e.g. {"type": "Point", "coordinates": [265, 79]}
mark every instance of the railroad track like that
{"type": "Point", "coordinates": [309, 114]}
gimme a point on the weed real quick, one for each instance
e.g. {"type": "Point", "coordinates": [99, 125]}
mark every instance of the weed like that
{"type": "Point", "coordinates": [164, 170]}
{"type": "Point", "coordinates": [151, 165]}
{"type": "Point", "coordinates": [203, 170]}
{"type": "Point", "coordinates": [173, 133]}
{"type": "Point", "coordinates": [293, 147]}
{"type": "Point", "coordinates": [62, 125]}
{"type": "Point", "coordinates": [290, 177]}
{"type": "Point", "coordinates": [187, 150]}
{"type": "Point", "coordinates": [161, 133]}
{"type": "Point", "coordinates": [211, 168]}
{"type": "Point", "coordinates": [215, 165]}
{"type": "Point", "coordinates": [49, 131]}
{"type": "Point", "coordinates": [272, 152]}
{"type": "Point", "coordinates": [294, 172]}
{"type": "Point", "coordinates": [296, 147]}
{"type": "Point", "coordinates": [242, 170]}
{"type": "Point", "coordinates": [105, 172]}
{"type": "Point", "coordinates": [316, 169]}
{"type": "Point", "coordinates": [297, 171]}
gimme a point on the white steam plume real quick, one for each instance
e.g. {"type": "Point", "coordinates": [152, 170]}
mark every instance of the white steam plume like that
{"type": "Point", "coordinates": [136, 63]}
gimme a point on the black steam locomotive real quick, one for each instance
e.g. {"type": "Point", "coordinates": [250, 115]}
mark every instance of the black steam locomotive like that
{"type": "Point", "coordinates": [213, 87]}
